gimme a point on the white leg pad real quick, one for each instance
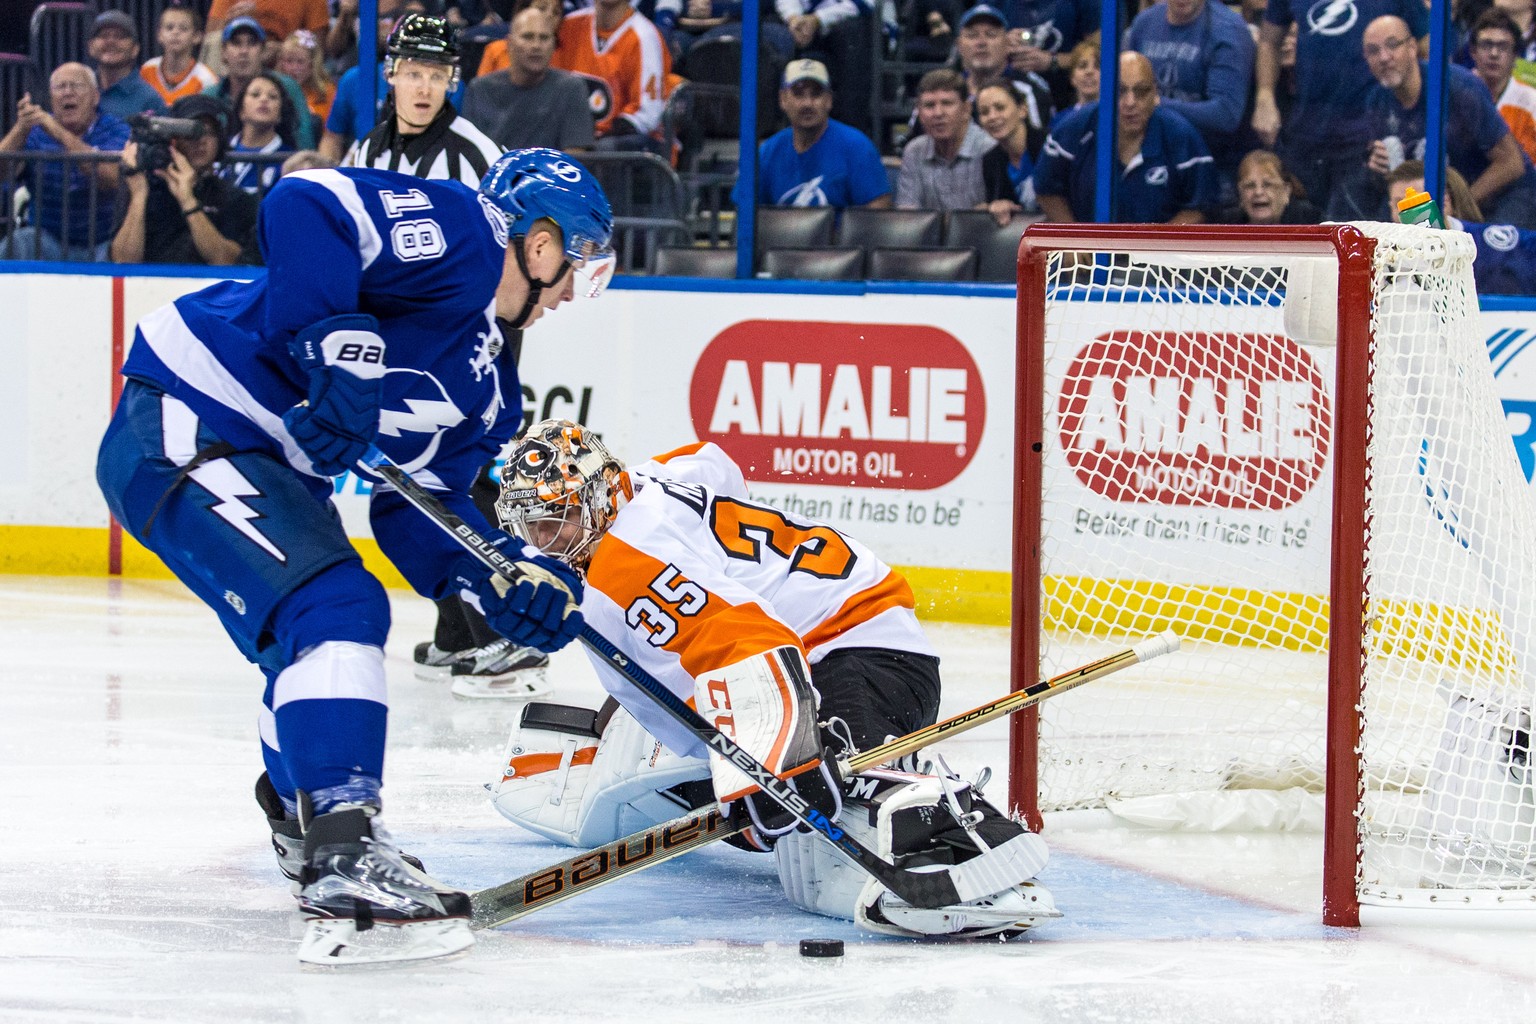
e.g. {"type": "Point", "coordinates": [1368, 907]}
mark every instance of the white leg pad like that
{"type": "Point", "coordinates": [588, 791]}
{"type": "Point", "coordinates": [996, 891]}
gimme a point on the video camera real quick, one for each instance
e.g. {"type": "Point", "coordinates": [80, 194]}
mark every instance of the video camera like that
{"type": "Point", "coordinates": [154, 134]}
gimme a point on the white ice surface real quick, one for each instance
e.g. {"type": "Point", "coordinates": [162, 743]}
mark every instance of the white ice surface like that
{"type": "Point", "coordinates": [136, 882]}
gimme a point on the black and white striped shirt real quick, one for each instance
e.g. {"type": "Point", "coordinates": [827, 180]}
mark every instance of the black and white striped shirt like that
{"type": "Point", "coordinates": [450, 148]}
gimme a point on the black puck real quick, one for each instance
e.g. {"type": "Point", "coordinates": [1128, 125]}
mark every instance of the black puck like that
{"type": "Point", "coordinates": [821, 947]}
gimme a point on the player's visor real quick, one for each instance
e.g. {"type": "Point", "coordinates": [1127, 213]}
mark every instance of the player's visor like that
{"type": "Point", "coordinates": [592, 277]}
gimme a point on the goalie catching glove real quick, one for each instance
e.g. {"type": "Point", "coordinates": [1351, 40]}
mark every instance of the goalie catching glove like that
{"type": "Point", "coordinates": [344, 358]}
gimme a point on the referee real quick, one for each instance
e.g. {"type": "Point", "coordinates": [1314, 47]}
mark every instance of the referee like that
{"type": "Point", "coordinates": [419, 132]}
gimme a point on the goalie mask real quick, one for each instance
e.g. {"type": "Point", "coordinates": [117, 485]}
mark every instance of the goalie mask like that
{"type": "Point", "coordinates": [560, 490]}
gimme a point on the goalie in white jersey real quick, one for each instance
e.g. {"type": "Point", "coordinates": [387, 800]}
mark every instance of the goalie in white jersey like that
{"type": "Point", "coordinates": [787, 635]}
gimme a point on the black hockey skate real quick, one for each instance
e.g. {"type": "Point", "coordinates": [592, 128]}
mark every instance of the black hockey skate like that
{"type": "Point", "coordinates": [365, 904]}
{"type": "Point", "coordinates": [288, 839]}
{"type": "Point", "coordinates": [500, 670]}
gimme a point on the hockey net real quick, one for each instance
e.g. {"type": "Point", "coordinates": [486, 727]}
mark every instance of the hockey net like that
{"type": "Point", "coordinates": [1286, 445]}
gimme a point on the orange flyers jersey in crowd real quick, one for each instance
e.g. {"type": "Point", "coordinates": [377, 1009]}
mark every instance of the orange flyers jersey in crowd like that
{"type": "Point", "coordinates": [198, 78]}
{"type": "Point", "coordinates": [632, 60]}
{"type": "Point", "coordinates": [693, 576]}
{"type": "Point", "coordinates": [1517, 104]}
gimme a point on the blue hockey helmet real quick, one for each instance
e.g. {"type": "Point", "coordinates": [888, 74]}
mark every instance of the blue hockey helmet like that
{"type": "Point", "coordinates": [527, 184]}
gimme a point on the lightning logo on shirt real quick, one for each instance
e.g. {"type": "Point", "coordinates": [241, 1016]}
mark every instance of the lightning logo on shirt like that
{"type": "Point", "coordinates": [416, 403]}
{"type": "Point", "coordinates": [1332, 17]}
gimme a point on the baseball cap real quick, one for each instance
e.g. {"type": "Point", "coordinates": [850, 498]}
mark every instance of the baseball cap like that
{"type": "Point", "coordinates": [983, 11]}
{"type": "Point", "coordinates": [117, 20]}
{"type": "Point", "coordinates": [244, 22]}
{"type": "Point", "coordinates": [807, 71]}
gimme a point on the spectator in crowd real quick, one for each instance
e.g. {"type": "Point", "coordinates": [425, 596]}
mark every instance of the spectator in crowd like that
{"type": "Point", "coordinates": [1165, 172]}
{"type": "Point", "coordinates": [628, 67]}
{"type": "Point", "coordinates": [301, 60]}
{"type": "Point", "coordinates": [817, 160]}
{"type": "Point", "coordinates": [241, 47]}
{"type": "Point", "coordinates": [1268, 194]}
{"type": "Point", "coordinates": [981, 55]}
{"type": "Point", "coordinates": [1505, 263]}
{"type": "Point", "coordinates": [421, 133]}
{"type": "Point", "coordinates": [65, 224]}
{"type": "Point", "coordinates": [278, 18]}
{"type": "Point", "coordinates": [1008, 169]}
{"type": "Point", "coordinates": [1492, 44]}
{"type": "Point", "coordinates": [1523, 13]}
{"type": "Point", "coordinates": [1042, 35]}
{"type": "Point", "coordinates": [941, 169]}
{"type": "Point", "coordinates": [266, 118]}
{"type": "Point", "coordinates": [186, 213]}
{"type": "Point", "coordinates": [1202, 54]}
{"type": "Point", "coordinates": [1321, 135]}
{"type": "Point", "coordinates": [531, 103]}
{"type": "Point", "coordinates": [1084, 76]}
{"type": "Point", "coordinates": [340, 38]}
{"type": "Point", "coordinates": [685, 23]}
{"type": "Point", "coordinates": [497, 57]}
{"type": "Point", "coordinates": [114, 49]}
{"type": "Point", "coordinates": [836, 32]}
{"type": "Point", "coordinates": [930, 29]}
{"type": "Point", "coordinates": [177, 72]}
{"type": "Point", "coordinates": [1477, 141]}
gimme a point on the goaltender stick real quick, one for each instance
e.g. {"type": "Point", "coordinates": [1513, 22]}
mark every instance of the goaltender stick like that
{"type": "Point", "coordinates": [788, 636]}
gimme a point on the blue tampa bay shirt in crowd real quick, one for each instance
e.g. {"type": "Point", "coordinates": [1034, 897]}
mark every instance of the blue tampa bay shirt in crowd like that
{"type": "Point", "coordinates": [841, 169]}
{"type": "Point", "coordinates": [1204, 71]}
{"type": "Point", "coordinates": [1506, 259]}
{"type": "Point", "coordinates": [1331, 74]}
{"type": "Point", "coordinates": [1058, 25]}
{"type": "Point", "coordinates": [1474, 125]}
{"type": "Point", "coordinates": [424, 258]}
{"type": "Point", "coordinates": [1173, 171]}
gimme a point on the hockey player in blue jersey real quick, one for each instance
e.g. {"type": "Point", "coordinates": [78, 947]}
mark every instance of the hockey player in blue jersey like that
{"type": "Point", "coordinates": [380, 322]}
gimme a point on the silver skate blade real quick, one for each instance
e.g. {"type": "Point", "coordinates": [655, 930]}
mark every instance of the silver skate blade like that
{"type": "Point", "coordinates": [432, 673]}
{"type": "Point", "coordinates": [336, 942]}
{"type": "Point", "coordinates": [519, 684]}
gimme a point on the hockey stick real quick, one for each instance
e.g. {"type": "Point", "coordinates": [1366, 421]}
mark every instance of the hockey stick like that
{"type": "Point", "coordinates": [920, 889]}
{"type": "Point", "coordinates": [522, 896]}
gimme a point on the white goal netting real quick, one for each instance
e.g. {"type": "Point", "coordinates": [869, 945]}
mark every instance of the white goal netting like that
{"type": "Point", "coordinates": [1189, 413]}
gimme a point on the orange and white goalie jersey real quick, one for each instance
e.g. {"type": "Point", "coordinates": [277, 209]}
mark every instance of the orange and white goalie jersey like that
{"type": "Point", "coordinates": [693, 576]}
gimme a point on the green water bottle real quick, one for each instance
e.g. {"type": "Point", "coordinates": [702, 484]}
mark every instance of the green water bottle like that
{"type": "Point", "coordinates": [1420, 208]}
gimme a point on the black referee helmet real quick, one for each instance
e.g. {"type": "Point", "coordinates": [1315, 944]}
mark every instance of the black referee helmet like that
{"type": "Point", "coordinates": [424, 37]}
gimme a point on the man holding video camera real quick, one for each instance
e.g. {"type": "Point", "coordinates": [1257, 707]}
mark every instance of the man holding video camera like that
{"type": "Point", "coordinates": [175, 208]}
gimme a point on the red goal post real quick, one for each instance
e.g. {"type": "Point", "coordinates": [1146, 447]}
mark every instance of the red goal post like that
{"type": "Point", "coordinates": [1138, 330]}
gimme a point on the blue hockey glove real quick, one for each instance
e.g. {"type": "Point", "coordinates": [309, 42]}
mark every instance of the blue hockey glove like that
{"type": "Point", "coordinates": [541, 611]}
{"type": "Point", "coordinates": [345, 359]}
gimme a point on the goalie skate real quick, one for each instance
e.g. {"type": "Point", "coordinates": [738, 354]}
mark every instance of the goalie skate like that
{"type": "Point", "coordinates": [500, 671]}
{"type": "Point", "coordinates": [365, 905]}
{"type": "Point", "coordinates": [1013, 910]}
